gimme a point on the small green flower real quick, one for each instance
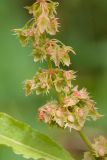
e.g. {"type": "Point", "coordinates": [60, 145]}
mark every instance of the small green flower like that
{"type": "Point", "coordinates": [53, 26]}
{"type": "Point", "coordinates": [29, 87]}
{"type": "Point", "coordinates": [63, 79]}
{"type": "Point", "coordinates": [43, 23]}
{"type": "Point", "coordinates": [22, 35]}
{"type": "Point", "coordinates": [58, 52]}
{"type": "Point", "coordinates": [42, 82]}
{"type": "Point", "coordinates": [39, 53]}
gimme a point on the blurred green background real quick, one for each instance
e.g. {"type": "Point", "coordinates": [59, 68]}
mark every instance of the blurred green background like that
{"type": "Point", "coordinates": [84, 27]}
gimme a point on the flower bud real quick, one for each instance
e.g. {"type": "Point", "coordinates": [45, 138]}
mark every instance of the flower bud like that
{"type": "Point", "coordinates": [29, 86]}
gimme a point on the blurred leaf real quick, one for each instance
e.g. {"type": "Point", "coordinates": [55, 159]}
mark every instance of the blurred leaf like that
{"type": "Point", "coordinates": [28, 142]}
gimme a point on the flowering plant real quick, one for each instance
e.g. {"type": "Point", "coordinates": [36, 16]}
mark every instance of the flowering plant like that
{"type": "Point", "coordinates": [72, 107]}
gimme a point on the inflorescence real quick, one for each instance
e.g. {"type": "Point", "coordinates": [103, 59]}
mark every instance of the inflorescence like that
{"type": "Point", "coordinates": [74, 106]}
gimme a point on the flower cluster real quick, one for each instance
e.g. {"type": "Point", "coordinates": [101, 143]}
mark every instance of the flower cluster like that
{"type": "Point", "coordinates": [58, 52]}
{"type": "Point", "coordinates": [43, 21]}
{"type": "Point", "coordinates": [44, 15]}
{"type": "Point", "coordinates": [52, 49]}
{"type": "Point", "coordinates": [72, 113]}
{"type": "Point", "coordinates": [44, 80]}
{"type": "Point", "coordinates": [74, 107]}
{"type": "Point", "coordinates": [99, 148]}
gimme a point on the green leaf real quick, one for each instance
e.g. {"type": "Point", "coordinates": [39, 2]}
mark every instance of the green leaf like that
{"type": "Point", "coordinates": [29, 142]}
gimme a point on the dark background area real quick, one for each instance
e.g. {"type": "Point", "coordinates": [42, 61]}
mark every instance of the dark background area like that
{"type": "Point", "coordinates": [84, 27]}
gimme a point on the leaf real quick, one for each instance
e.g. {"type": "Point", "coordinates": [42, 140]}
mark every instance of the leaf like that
{"type": "Point", "coordinates": [29, 142]}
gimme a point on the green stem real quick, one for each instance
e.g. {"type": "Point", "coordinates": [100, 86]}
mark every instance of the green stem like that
{"type": "Point", "coordinates": [50, 67]}
{"type": "Point", "coordinates": [49, 63]}
{"type": "Point", "coordinates": [86, 140]}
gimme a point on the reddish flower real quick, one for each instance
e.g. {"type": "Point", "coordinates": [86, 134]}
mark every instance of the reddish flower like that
{"type": "Point", "coordinates": [41, 115]}
{"type": "Point", "coordinates": [77, 94]}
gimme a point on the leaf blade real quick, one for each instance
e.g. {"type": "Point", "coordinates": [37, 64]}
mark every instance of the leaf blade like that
{"type": "Point", "coordinates": [29, 142]}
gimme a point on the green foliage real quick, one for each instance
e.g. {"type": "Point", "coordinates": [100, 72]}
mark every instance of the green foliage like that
{"type": "Point", "coordinates": [29, 142]}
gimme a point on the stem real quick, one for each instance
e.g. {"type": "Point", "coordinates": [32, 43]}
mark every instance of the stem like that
{"type": "Point", "coordinates": [50, 67]}
{"type": "Point", "coordinates": [49, 63]}
{"type": "Point", "coordinates": [86, 140]}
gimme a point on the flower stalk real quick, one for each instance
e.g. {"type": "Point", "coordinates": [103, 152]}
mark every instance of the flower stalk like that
{"type": "Point", "coordinates": [86, 140]}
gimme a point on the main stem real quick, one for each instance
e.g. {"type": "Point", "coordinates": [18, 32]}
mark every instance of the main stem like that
{"type": "Point", "coordinates": [86, 140]}
{"type": "Point", "coordinates": [50, 67]}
